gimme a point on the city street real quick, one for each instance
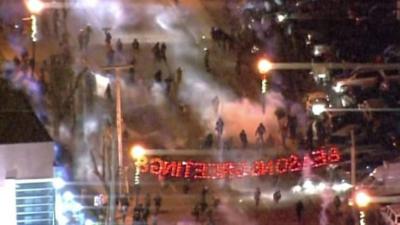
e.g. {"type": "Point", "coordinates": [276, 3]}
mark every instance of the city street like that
{"type": "Point", "coordinates": [191, 93]}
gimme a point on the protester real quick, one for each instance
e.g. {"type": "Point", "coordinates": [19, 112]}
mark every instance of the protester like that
{"type": "Point", "coordinates": [260, 131]}
{"type": "Point", "coordinates": [243, 139]}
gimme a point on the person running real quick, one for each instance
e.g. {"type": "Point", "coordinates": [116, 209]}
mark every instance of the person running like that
{"type": "Point", "coordinates": [260, 133]}
{"type": "Point", "coordinates": [243, 139]}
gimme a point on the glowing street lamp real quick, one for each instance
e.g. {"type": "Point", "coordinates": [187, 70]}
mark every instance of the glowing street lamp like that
{"type": "Point", "coordinates": [318, 108]}
{"type": "Point", "coordinates": [138, 154]}
{"type": "Point", "coordinates": [35, 6]}
{"type": "Point", "coordinates": [263, 67]}
{"type": "Point", "coordinates": [362, 199]}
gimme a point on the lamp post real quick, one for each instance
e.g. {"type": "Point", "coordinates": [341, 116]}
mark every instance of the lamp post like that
{"type": "Point", "coordinates": [264, 66]}
{"type": "Point", "coordinates": [138, 155]}
{"type": "Point", "coordinates": [35, 7]}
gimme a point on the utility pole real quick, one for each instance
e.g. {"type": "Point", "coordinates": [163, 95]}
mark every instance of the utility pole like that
{"type": "Point", "coordinates": [111, 202]}
{"type": "Point", "coordinates": [353, 158]}
{"type": "Point", "coordinates": [123, 179]}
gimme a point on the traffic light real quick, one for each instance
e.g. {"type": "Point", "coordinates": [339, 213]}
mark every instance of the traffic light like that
{"type": "Point", "coordinates": [264, 86]}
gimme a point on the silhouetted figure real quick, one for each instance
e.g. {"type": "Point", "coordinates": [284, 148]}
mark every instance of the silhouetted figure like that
{"type": "Point", "coordinates": [157, 202]}
{"type": "Point", "coordinates": [108, 37]}
{"type": "Point", "coordinates": [208, 142]}
{"type": "Point", "coordinates": [257, 195]}
{"type": "Point", "coordinates": [88, 34]}
{"type": "Point", "coordinates": [158, 76]}
{"type": "Point", "coordinates": [147, 200]}
{"type": "Point", "coordinates": [243, 138]}
{"type": "Point", "coordinates": [156, 51]}
{"type": "Point", "coordinates": [163, 51]}
{"type": "Point", "coordinates": [219, 127]}
{"type": "Point", "coordinates": [179, 75]}
{"type": "Point", "coordinates": [168, 84]}
{"type": "Point", "coordinates": [260, 131]}
{"type": "Point", "coordinates": [207, 60]}
{"type": "Point", "coordinates": [299, 211]}
{"type": "Point", "coordinates": [135, 44]}
{"type": "Point", "coordinates": [119, 46]}
{"type": "Point", "coordinates": [277, 196]}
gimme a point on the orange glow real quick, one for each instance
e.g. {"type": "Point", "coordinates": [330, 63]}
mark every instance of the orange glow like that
{"type": "Point", "coordinates": [264, 66]}
{"type": "Point", "coordinates": [362, 199]}
{"type": "Point", "coordinates": [137, 152]}
{"type": "Point", "coordinates": [35, 6]}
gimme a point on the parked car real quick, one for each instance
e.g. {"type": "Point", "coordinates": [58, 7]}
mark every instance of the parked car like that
{"type": "Point", "coordinates": [366, 79]}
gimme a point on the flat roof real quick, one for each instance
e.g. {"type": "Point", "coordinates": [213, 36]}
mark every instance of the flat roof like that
{"type": "Point", "coordinates": [18, 121]}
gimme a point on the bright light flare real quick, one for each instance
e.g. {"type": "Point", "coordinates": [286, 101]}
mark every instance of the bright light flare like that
{"type": "Point", "coordinates": [318, 109]}
{"type": "Point", "coordinates": [91, 3]}
{"type": "Point", "coordinates": [89, 222]}
{"type": "Point", "coordinates": [35, 6]}
{"type": "Point", "coordinates": [281, 17]}
{"type": "Point", "coordinates": [264, 66]}
{"type": "Point", "coordinates": [362, 199]}
{"type": "Point", "coordinates": [137, 152]}
{"type": "Point", "coordinates": [68, 196]}
{"type": "Point", "coordinates": [58, 183]}
{"type": "Point", "coordinates": [342, 187]}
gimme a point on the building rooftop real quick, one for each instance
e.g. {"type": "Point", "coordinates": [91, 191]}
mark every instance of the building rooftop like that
{"type": "Point", "coordinates": [18, 122]}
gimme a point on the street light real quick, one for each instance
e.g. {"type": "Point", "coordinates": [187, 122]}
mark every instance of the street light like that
{"type": "Point", "coordinates": [318, 108]}
{"type": "Point", "coordinates": [35, 6]}
{"type": "Point", "coordinates": [263, 67]}
{"type": "Point", "coordinates": [138, 153]}
{"type": "Point", "coordinates": [362, 199]}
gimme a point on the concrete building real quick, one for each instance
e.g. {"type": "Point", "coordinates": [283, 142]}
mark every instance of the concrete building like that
{"type": "Point", "coordinates": [26, 163]}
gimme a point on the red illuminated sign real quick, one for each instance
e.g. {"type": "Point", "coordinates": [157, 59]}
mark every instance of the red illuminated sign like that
{"type": "Point", "coordinates": [221, 170]}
